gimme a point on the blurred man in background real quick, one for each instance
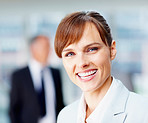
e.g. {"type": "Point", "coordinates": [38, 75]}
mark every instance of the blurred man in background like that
{"type": "Point", "coordinates": [36, 93]}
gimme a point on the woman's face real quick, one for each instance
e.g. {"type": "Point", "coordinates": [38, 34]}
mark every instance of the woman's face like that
{"type": "Point", "coordinates": [88, 62]}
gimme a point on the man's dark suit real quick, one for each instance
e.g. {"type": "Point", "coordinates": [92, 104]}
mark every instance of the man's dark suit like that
{"type": "Point", "coordinates": [24, 107]}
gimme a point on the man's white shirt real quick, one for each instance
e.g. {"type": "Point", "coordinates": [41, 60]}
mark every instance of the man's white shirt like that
{"type": "Point", "coordinates": [35, 70]}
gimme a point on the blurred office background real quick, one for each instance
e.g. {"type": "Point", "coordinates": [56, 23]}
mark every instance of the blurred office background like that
{"type": "Point", "coordinates": [21, 19]}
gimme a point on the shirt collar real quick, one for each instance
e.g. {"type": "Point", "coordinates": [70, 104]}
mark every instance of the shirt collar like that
{"type": "Point", "coordinates": [35, 65]}
{"type": "Point", "coordinates": [81, 110]}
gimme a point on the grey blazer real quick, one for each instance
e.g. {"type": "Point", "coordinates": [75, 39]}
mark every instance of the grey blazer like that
{"type": "Point", "coordinates": [127, 107]}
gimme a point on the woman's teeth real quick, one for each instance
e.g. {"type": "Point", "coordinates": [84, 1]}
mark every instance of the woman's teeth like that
{"type": "Point", "coordinates": [87, 74]}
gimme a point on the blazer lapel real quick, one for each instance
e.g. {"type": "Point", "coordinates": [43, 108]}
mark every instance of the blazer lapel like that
{"type": "Point", "coordinates": [29, 81]}
{"type": "Point", "coordinates": [116, 111]}
{"type": "Point", "coordinates": [119, 118]}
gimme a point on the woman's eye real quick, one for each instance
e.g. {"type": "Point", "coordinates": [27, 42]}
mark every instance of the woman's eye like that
{"type": "Point", "coordinates": [69, 54]}
{"type": "Point", "coordinates": [92, 49]}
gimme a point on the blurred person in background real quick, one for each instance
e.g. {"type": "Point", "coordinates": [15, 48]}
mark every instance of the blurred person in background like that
{"type": "Point", "coordinates": [83, 40]}
{"type": "Point", "coordinates": [36, 93]}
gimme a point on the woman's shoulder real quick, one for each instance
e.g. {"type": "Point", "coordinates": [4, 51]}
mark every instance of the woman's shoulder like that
{"type": "Point", "coordinates": [138, 102]}
{"type": "Point", "coordinates": [137, 107]}
{"type": "Point", "coordinates": [139, 99]}
{"type": "Point", "coordinates": [133, 99]}
{"type": "Point", "coordinates": [69, 113]}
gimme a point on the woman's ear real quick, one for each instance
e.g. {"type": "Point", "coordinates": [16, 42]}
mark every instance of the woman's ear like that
{"type": "Point", "coordinates": [113, 50]}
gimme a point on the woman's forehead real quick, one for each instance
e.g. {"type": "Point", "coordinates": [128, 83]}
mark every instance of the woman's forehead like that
{"type": "Point", "coordinates": [77, 34]}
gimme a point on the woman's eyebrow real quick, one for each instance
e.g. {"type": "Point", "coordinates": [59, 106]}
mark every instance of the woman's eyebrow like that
{"type": "Point", "coordinates": [92, 44]}
{"type": "Point", "coordinates": [66, 50]}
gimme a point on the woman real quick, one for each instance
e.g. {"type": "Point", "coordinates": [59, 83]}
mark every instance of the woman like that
{"type": "Point", "coordinates": [83, 40]}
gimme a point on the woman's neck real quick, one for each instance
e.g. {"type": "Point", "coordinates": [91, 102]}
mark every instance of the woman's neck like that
{"type": "Point", "coordinates": [94, 98]}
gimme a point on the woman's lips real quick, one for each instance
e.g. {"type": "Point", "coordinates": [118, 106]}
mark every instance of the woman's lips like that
{"type": "Point", "coordinates": [88, 75]}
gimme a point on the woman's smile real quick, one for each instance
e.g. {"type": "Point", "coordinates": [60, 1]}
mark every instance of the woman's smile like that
{"type": "Point", "coordinates": [87, 75]}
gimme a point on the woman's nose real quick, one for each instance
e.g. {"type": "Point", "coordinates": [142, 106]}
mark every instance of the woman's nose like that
{"type": "Point", "coordinates": [83, 62]}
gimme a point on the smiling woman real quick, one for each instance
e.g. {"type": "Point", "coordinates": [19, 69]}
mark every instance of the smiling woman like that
{"type": "Point", "coordinates": [83, 40]}
{"type": "Point", "coordinates": [84, 60]}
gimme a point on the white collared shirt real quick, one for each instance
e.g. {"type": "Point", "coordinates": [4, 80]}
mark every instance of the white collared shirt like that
{"type": "Point", "coordinates": [97, 115]}
{"type": "Point", "coordinates": [35, 70]}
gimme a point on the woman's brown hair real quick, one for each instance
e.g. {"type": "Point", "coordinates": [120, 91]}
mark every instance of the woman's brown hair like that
{"type": "Point", "coordinates": [71, 28]}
